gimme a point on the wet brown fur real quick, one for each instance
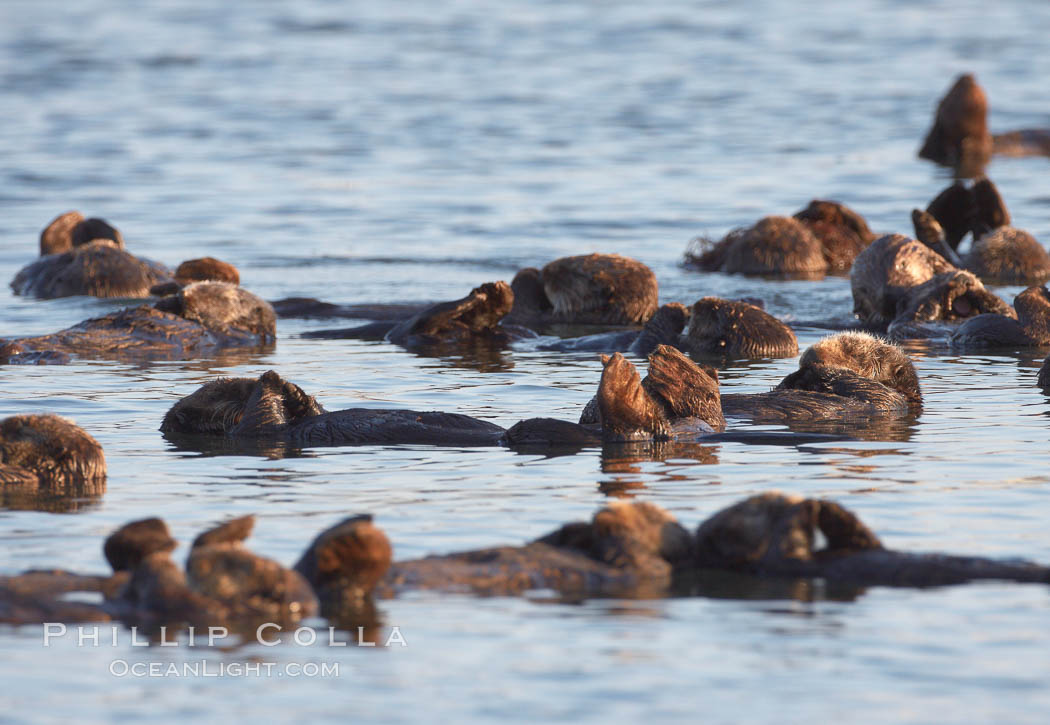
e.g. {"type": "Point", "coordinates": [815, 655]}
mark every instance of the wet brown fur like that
{"type": "Point", "coordinates": [736, 330]}
{"type": "Point", "coordinates": [203, 316]}
{"type": "Point", "coordinates": [599, 289]}
{"type": "Point", "coordinates": [48, 451]}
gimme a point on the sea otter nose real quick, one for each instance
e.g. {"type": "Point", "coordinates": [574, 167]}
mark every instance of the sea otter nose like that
{"type": "Point", "coordinates": [962, 307]}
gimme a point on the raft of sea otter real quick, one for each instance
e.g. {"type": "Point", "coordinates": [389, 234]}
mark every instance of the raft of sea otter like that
{"type": "Point", "coordinates": [903, 288]}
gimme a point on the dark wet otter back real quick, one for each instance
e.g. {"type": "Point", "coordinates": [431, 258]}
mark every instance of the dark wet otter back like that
{"type": "Point", "coordinates": [364, 426]}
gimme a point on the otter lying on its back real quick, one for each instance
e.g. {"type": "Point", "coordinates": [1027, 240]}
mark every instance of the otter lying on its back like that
{"type": "Point", "coordinates": [845, 376]}
{"type": "Point", "coordinates": [626, 550]}
{"type": "Point", "coordinates": [46, 450]}
{"type": "Point", "coordinates": [999, 253]}
{"type": "Point", "coordinates": [86, 257]}
{"type": "Point", "coordinates": [898, 282]}
{"type": "Point", "coordinates": [1030, 328]}
{"type": "Point", "coordinates": [200, 318]}
{"type": "Point", "coordinates": [824, 238]}
{"type": "Point", "coordinates": [676, 399]}
{"type": "Point", "coordinates": [773, 534]}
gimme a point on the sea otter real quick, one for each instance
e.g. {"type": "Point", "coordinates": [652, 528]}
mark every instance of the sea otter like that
{"type": "Point", "coordinates": [1029, 327]}
{"type": "Point", "coordinates": [999, 253]}
{"type": "Point", "coordinates": [628, 549]}
{"type": "Point", "coordinates": [959, 136]}
{"type": "Point", "coordinates": [845, 377]}
{"type": "Point", "coordinates": [46, 451]}
{"type": "Point", "coordinates": [717, 328]}
{"type": "Point", "coordinates": [774, 534]}
{"type": "Point", "coordinates": [86, 257]}
{"type": "Point", "coordinates": [898, 283]}
{"type": "Point", "coordinates": [676, 399]}
{"type": "Point", "coordinates": [223, 583]}
{"type": "Point", "coordinates": [824, 238]}
{"type": "Point", "coordinates": [477, 318]}
{"type": "Point", "coordinates": [594, 289]}
{"type": "Point", "coordinates": [81, 256]}
{"type": "Point", "coordinates": [201, 318]}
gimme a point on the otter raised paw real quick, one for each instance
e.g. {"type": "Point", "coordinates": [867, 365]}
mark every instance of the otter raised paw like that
{"type": "Point", "coordinates": [960, 137]}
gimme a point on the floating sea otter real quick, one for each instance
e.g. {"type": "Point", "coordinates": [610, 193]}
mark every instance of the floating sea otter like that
{"type": "Point", "coordinates": [81, 256]}
{"type": "Point", "coordinates": [845, 377]}
{"type": "Point", "coordinates": [627, 549]}
{"type": "Point", "coordinates": [849, 376]}
{"type": "Point", "coordinates": [960, 138]}
{"type": "Point", "coordinates": [48, 451]}
{"type": "Point", "coordinates": [999, 253]}
{"type": "Point", "coordinates": [201, 318]}
{"type": "Point", "coordinates": [271, 409]}
{"type": "Point", "coordinates": [717, 327]}
{"type": "Point", "coordinates": [1028, 327]}
{"type": "Point", "coordinates": [594, 289]}
{"type": "Point", "coordinates": [899, 283]}
{"type": "Point", "coordinates": [824, 238]}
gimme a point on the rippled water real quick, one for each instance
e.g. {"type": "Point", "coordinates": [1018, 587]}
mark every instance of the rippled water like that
{"type": "Point", "coordinates": [366, 152]}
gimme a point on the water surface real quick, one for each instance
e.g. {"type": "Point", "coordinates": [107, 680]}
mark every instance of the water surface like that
{"type": "Point", "coordinates": [401, 152]}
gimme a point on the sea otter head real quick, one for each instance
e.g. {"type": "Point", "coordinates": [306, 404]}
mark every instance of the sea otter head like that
{"type": "Point", "coordinates": [241, 407]}
{"type": "Point", "coordinates": [57, 450]}
{"type": "Point", "coordinates": [224, 308]}
{"type": "Point", "coordinates": [774, 529]}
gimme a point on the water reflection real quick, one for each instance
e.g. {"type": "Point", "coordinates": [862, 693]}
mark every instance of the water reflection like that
{"type": "Point", "coordinates": [55, 497]}
{"type": "Point", "coordinates": [717, 584]}
{"type": "Point", "coordinates": [209, 446]}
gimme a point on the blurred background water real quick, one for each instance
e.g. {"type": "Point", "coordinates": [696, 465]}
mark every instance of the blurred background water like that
{"type": "Point", "coordinates": [374, 152]}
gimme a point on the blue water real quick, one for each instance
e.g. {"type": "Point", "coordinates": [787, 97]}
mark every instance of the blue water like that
{"type": "Point", "coordinates": [367, 152]}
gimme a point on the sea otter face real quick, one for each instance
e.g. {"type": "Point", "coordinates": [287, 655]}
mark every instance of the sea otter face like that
{"type": "Point", "coordinates": [222, 307]}
{"type": "Point", "coordinates": [126, 547]}
{"type": "Point", "coordinates": [215, 408]}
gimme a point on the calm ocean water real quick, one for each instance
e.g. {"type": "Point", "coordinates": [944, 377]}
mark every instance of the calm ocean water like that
{"type": "Point", "coordinates": [367, 152]}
